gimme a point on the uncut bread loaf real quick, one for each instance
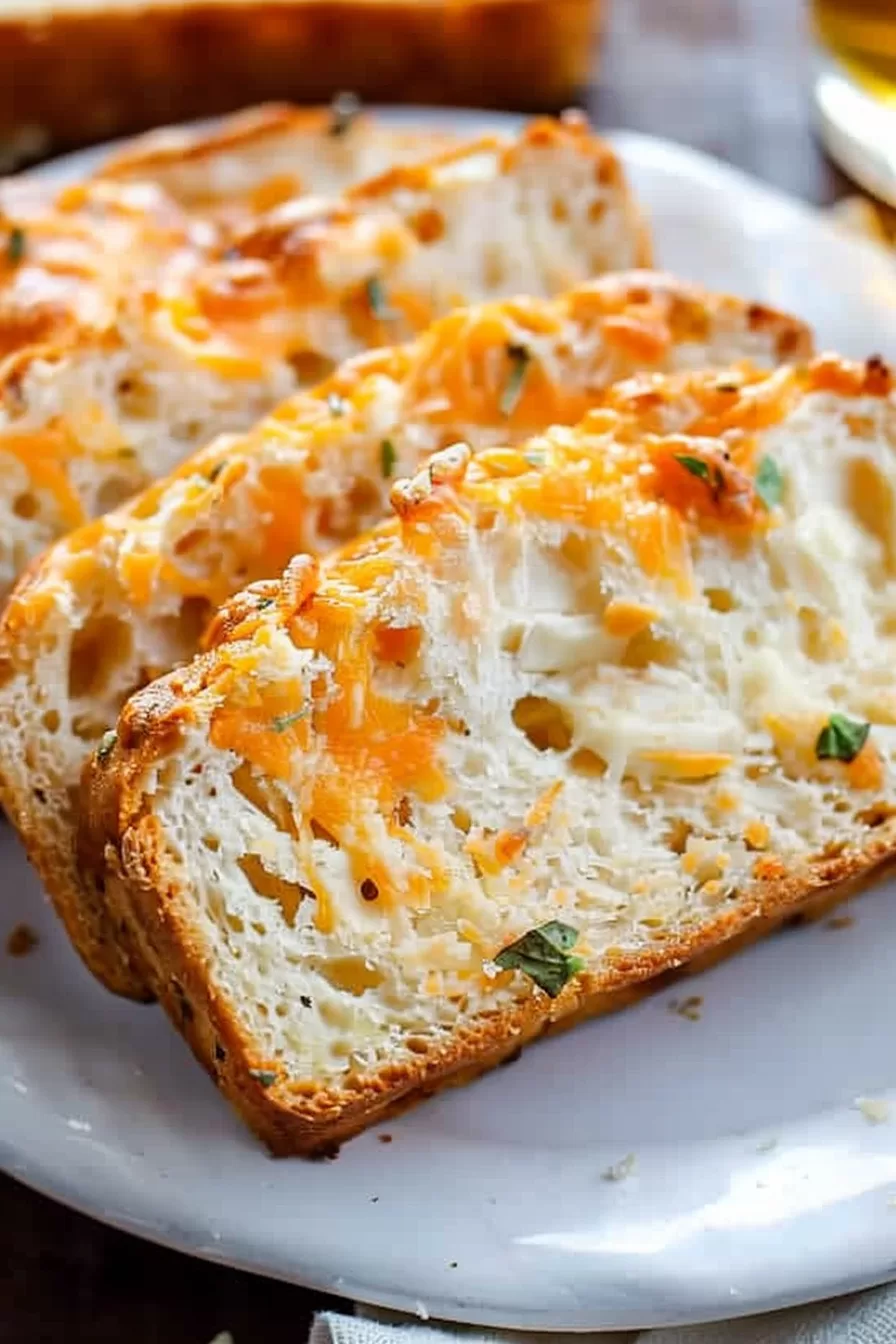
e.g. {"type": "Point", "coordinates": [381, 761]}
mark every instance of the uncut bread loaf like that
{"type": "Point", "coordinates": [150, 357]}
{"type": "Point", "coordinates": [126, 598]}
{"type": "Point", "coordinates": [580, 711]}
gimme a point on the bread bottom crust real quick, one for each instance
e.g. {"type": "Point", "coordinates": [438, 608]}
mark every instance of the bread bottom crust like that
{"type": "Point", "coordinates": [308, 1120]}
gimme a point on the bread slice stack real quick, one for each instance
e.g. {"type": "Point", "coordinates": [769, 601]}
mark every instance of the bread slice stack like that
{"type": "Point", "coordinates": [167, 328]}
{"type": "Point", "coordinates": [580, 710]}
{"type": "Point", "coordinates": [126, 597]}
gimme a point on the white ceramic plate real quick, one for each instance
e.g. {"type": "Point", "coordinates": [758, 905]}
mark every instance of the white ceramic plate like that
{"type": "Point", "coordinates": [756, 1181]}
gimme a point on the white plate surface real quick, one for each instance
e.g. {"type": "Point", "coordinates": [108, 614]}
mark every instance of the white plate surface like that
{"type": "Point", "coordinates": [757, 1181]}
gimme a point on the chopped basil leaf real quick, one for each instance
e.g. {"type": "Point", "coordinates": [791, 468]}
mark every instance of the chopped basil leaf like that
{"type": "Point", "coordinates": [266, 1077]}
{"type": "Point", "coordinates": [534, 459]}
{"type": "Point", "coordinates": [15, 247]}
{"type": "Point", "coordinates": [520, 359]}
{"type": "Point", "coordinates": [107, 745]}
{"type": "Point", "coordinates": [344, 110]}
{"type": "Point", "coordinates": [841, 739]}
{"type": "Point", "coordinates": [376, 297]}
{"type": "Point", "coordinates": [543, 955]}
{"type": "Point", "coordinates": [769, 482]}
{"type": "Point", "coordinates": [284, 721]}
{"type": "Point", "coordinates": [336, 404]}
{"type": "Point", "coordinates": [264, 602]}
{"type": "Point", "coordinates": [388, 458]}
{"type": "Point", "coordinates": [695, 465]}
{"type": "Point", "coordinates": [217, 469]}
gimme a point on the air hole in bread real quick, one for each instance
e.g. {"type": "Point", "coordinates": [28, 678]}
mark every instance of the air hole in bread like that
{"type": "Point", "coordinates": [869, 495]}
{"type": "Point", "coordinates": [310, 367]}
{"type": "Point", "coordinates": [98, 651]}
{"type": "Point", "coordinates": [428, 225]}
{"type": "Point", "coordinates": [50, 720]}
{"type": "Point", "coordinates": [545, 723]}
{"type": "Point", "coordinates": [461, 818]}
{"type": "Point", "coordinates": [26, 505]}
{"type": "Point", "coordinates": [876, 814]}
{"type": "Point", "coordinates": [89, 727]}
{"type": "Point", "coordinates": [588, 762]}
{"type": "Point", "coordinates": [351, 974]}
{"type": "Point", "coordinates": [137, 398]}
{"type": "Point", "coordinates": [721, 599]}
{"type": "Point", "coordinates": [115, 491]}
{"type": "Point", "coordinates": [288, 895]}
{"type": "Point", "coordinates": [678, 834]}
{"type": "Point", "coordinates": [649, 649]}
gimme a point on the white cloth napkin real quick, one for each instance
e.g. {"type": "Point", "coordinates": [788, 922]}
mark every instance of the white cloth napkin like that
{"type": "Point", "coordinates": [862, 1318]}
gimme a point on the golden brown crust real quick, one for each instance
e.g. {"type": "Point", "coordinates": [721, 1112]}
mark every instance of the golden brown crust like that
{"type": "Point", "coordinates": [73, 77]}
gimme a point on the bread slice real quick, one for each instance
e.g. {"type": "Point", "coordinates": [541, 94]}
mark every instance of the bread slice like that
{"type": "Point", "coordinates": [159, 356]}
{"type": "Point", "coordinates": [125, 598]}
{"type": "Point", "coordinates": [579, 712]}
{"type": "Point", "coordinates": [259, 158]}
{"type": "Point", "coordinates": [71, 75]}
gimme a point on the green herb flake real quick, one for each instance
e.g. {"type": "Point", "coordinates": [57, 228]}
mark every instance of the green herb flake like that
{"type": "Point", "coordinates": [520, 359]}
{"type": "Point", "coordinates": [216, 470]}
{"type": "Point", "coordinates": [388, 458]}
{"type": "Point", "coordinates": [769, 482]}
{"type": "Point", "coordinates": [344, 111]}
{"type": "Point", "coordinates": [15, 246]}
{"type": "Point", "coordinates": [107, 745]}
{"type": "Point", "coordinates": [336, 405]}
{"type": "Point", "coordinates": [263, 603]}
{"type": "Point", "coordinates": [695, 465]}
{"type": "Point", "coordinates": [266, 1077]}
{"type": "Point", "coordinates": [534, 459]}
{"type": "Point", "coordinates": [544, 955]}
{"type": "Point", "coordinates": [841, 739]}
{"type": "Point", "coordinates": [376, 298]}
{"type": "Point", "coordinates": [284, 721]}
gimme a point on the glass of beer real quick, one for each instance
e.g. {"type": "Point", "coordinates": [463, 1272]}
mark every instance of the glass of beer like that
{"type": "Point", "coordinates": [855, 89]}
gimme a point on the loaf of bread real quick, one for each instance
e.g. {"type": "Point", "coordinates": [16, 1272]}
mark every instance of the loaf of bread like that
{"type": "Point", "coordinates": [580, 711]}
{"type": "Point", "coordinates": [69, 76]}
{"type": "Point", "coordinates": [125, 598]}
{"type": "Point", "coordinates": [155, 334]}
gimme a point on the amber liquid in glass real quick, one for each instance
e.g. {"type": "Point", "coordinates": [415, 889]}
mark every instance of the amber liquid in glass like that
{"type": "Point", "coordinates": [861, 35]}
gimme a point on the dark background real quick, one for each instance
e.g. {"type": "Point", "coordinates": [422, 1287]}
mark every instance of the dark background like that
{"type": "Point", "coordinates": [728, 76]}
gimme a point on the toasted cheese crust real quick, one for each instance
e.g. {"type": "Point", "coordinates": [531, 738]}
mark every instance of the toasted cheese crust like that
{"type": "Point", "coordinates": [126, 597]}
{"type": "Point", "coordinates": [160, 346]}
{"type": "Point", "coordinates": [634, 676]}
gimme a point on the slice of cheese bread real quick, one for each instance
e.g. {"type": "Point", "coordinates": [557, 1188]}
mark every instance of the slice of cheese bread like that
{"type": "Point", "coordinates": [126, 597]}
{"type": "Point", "coordinates": [579, 711]}
{"type": "Point", "coordinates": [222, 330]}
{"type": "Point", "coordinates": [259, 158]}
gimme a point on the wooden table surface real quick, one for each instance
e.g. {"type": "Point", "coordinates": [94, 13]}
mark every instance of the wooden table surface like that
{"type": "Point", "coordinates": [727, 76]}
